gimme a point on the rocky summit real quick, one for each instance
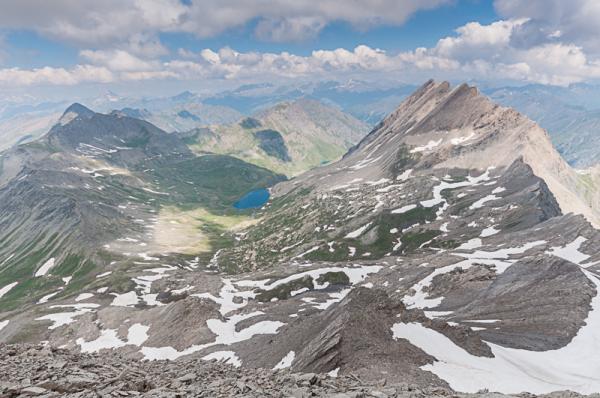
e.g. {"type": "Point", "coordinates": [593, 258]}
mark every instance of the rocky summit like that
{"type": "Point", "coordinates": [43, 371]}
{"type": "Point", "coordinates": [450, 251]}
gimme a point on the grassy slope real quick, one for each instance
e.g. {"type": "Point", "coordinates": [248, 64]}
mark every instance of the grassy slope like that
{"type": "Point", "coordinates": [314, 134]}
{"type": "Point", "coordinates": [201, 189]}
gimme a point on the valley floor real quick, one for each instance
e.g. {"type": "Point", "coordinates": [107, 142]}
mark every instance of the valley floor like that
{"type": "Point", "coordinates": [43, 371]}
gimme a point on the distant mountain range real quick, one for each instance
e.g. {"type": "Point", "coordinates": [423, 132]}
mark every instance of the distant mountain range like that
{"type": "Point", "coordinates": [21, 122]}
{"type": "Point", "coordinates": [571, 114]}
{"type": "Point", "coordinates": [366, 101]}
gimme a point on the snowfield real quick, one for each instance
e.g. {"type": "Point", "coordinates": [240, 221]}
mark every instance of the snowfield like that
{"type": "Point", "coordinates": [575, 367]}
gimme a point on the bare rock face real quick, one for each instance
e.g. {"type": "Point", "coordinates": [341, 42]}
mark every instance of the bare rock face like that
{"type": "Point", "coordinates": [460, 128]}
{"type": "Point", "coordinates": [83, 130]}
{"type": "Point", "coordinates": [545, 283]}
{"type": "Point", "coordinates": [349, 336]}
{"type": "Point", "coordinates": [189, 316]}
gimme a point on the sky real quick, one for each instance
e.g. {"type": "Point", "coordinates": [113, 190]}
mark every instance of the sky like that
{"type": "Point", "coordinates": [154, 46]}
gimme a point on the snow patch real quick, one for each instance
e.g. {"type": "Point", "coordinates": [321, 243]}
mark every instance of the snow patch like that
{"type": "Point", "coordinates": [286, 361]}
{"type": "Point", "coordinates": [460, 140]}
{"type": "Point", "coordinates": [47, 266]}
{"type": "Point", "coordinates": [3, 324]}
{"type": "Point", "coordinates": [226, 297]}
{"type": "Point", "coordinates": [48, 297]}
{"type": "Point", "coordinates": [437, 190]}
{"type": "Point", "coordinates": [137, 334]}
{"type": "Point", "coordinates": [108, 339]}
{"type": "Point", "coordinates": [64, 318]}
{"type": "Point", "coordinates": [7, 288]}
{"type": "Point", "coordinates": [405, 175]}
{"type": "Point", "coordinates": [84, 296]}
{"type": "Point", "coordinates": [489, 231]}
{"type": "Point", "coordinates": [404, 209]}
{"type": "Point", "coordinates": [570, 252]}
{"type": "Point", "coordinates": [334, 372]}
{"type": "Point", "coordinates": [312, 249]}
{"type": "Point", "coordinates": [470, 244]}
{"type": "Point", "coordinates": [479, 204]}
{"type": "Point", "coordinates": [355, 234]}
{"type": "Point", "coordinates": [125, 299]}
{"type": "Point", "coordinates": [427, 147]}
{"type": "Point", "coordinates": [226, 334]}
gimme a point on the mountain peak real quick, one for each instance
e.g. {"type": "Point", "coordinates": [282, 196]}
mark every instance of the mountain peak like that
{"type": "Point", "coordinates": [111, 96]}
{"type": "Point", "coordinates": [79, 109]}
{"type": "Point", "coordinates": [438, 107]}
{"type": "Point", "coordinates": [74, 111]}
{"type": "Point", "coordinates": [444, 127]}
{"type": "Point", "coordinates": [135, 113]}
{"type": "Point", "coordinates": [184, 96]}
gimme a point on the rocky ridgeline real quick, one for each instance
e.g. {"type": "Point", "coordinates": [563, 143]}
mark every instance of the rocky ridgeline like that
{"type": "Point", "coordinates": [44, 371]}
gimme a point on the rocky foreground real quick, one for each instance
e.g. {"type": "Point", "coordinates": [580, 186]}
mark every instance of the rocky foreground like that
{"type": "Point", "coordinates": [43, 371]}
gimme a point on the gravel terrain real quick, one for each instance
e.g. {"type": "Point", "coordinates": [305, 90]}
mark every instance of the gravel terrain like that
{"type": "Point", "coordinates": [44, 371]}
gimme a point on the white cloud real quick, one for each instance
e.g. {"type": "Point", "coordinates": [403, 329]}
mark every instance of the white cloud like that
{"type": "Point", "coordinates": [549, 21]}
{"type": "Point", "coordinates": [363, 57]}
{"type": "Point", "coordinates": [285, 20]}
{"type": "Point", "coordinates": [146, 46]}
{"type": "Point", "coordinates": [289, 29]}
{"type": "Point", "coordinates": [3, 53]}
{"type": "Point", "coordinates": [476, 51]}
{"type": "Point", "coordinates": [185, 53]}
{"type": "Point", "coordinates": [423, 59]}
{"type": "Point", "coordinates": [148, 75]}
{"type": "Point", "coordinates": [559, 64]}
{"type": "Point", "coordinates": [86, 22]}
{"type": "Point", "coordinates": [226, 63]}
{"type": "Point", "coordinates": [118, 60]}
{"type": "Point", "coordinates": [55, 76]}
{"type": "Point", "coordinates": [477, 41]}
{"type": "Point", "coordinates": [110, 22]}
{"type": "Point", "coordinates": [488, 52]}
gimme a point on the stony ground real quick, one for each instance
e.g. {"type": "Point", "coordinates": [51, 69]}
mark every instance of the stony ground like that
{"type": "Point", "coordinates": [35, 370]}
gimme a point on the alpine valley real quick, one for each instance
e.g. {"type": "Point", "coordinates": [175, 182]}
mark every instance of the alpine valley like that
{"type": "Point", "coordinates": [449, 250]}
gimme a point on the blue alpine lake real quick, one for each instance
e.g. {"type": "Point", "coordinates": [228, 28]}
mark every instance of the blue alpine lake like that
{"type": "Point", "coordinates": [253, 199]}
